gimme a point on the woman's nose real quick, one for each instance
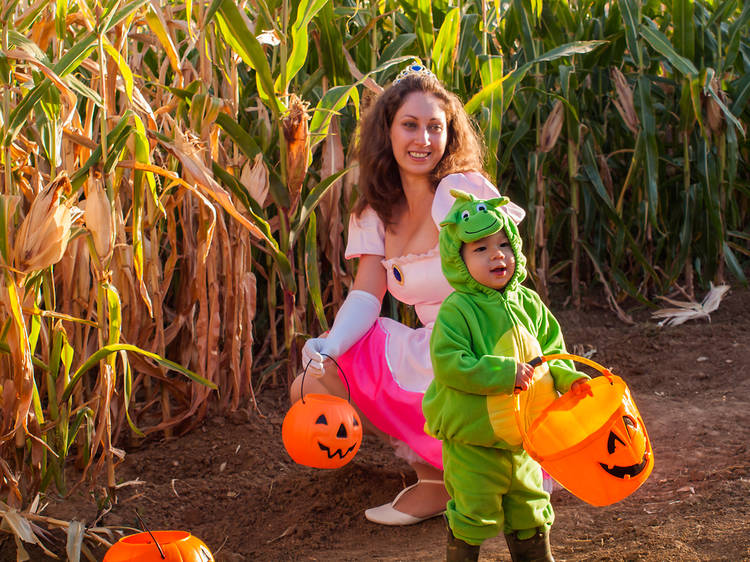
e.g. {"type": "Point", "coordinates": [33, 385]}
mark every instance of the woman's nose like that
{"type": "Point", "coordinates": [424, 136]}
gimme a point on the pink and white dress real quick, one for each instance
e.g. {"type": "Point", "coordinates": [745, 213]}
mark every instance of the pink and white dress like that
{"type": "Point", "coordinates": [389, 368]}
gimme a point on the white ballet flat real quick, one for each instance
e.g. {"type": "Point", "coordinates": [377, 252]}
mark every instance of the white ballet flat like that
{"type": "Point", "coordinates": [386, 514]}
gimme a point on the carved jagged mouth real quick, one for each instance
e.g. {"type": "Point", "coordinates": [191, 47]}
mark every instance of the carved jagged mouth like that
{"type": "Point", "coordinates": [623, 471]}
{"type": "Point", "coordinates": [337, 452]}
{"type": "Point", "coordinates": [494, 222]}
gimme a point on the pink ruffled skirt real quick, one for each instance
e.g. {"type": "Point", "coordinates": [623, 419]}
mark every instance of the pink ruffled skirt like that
{"type": "Point", "coordinates": [392, 409]}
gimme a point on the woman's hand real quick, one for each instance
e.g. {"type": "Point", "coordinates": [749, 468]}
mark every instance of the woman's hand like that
{"type": "Point", "coordinates": [524, 374]}
{"type": "Point", "coordinates": [312, 358]}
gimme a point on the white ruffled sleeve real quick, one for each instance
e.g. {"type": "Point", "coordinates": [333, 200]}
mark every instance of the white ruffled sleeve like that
{"type": "Point", "coordinates": [366, 235]}
{"type": "Point", "coordinates": [475, 184]}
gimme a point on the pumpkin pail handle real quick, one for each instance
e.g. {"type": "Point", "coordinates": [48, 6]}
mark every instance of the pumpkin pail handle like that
{"type": "Point", "coordinates": [535, 363]}
{"type": "Point", "coordinates": [153, 538]}
{"type": "Point", "coordinates": [343, 374]}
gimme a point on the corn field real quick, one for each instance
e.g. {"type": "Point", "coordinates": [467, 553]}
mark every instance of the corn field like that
{"type": "Point", "coordinates": [177, 177]}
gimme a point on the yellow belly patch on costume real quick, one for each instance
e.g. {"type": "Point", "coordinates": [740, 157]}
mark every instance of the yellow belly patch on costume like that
{"type": "Point", "coordinates": [519, 343]}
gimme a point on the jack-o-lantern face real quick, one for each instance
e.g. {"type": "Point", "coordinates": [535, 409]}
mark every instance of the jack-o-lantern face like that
{"type": "Point", "coordinates": [626, 447]}
{"type": "Point", "coordinates": [596, 446]}
{"type": "Point", "coordinates": [322, 431]}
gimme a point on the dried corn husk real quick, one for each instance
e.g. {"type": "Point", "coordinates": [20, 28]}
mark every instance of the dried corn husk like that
{"type": "Point", "coordinates": [100, 220]}
{"type": "Point", "coordinates": [552, 127]}
{"type": "Point", "coordinates": [624, 101]}
{"type": "Point", "coordinates": [714, 117]}
{"type": "Point", "coordinates": [297, 138]}
{"type": "Point", "coordinates": [691, 310]}
{"type": "Point", "coordinates": [255, 178]}
{"type": "Point", "coordinates": [45, 232]}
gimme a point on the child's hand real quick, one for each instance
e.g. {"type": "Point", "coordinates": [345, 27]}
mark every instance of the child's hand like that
{"type": "Point", "coordinates": [581, 388]}
{"type": "Point", "coordinates": [524, 374]}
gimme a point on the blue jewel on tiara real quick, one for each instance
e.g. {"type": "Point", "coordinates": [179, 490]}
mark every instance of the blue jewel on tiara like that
{"type": "Point", "coordinates": [415, 67]}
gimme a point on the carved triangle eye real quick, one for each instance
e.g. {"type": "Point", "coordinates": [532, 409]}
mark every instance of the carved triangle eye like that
{"type": "Point", "coordinates": [321, 420]}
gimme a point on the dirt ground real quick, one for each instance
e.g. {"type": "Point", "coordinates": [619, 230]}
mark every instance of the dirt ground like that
{"type": "Point", "coordinates": [231, 483]}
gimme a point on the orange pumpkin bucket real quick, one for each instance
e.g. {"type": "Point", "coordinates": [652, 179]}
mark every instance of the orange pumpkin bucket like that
{"type": "Point", "coordinates": [161, 546]}
{"type": "Point", "coordinates": [596, 445]}
{"type": "Point", "coordinates": [321, 430]}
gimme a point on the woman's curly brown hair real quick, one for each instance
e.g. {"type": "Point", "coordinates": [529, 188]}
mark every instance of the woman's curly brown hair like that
{"type": "Point", "coordinates": [379, 179]}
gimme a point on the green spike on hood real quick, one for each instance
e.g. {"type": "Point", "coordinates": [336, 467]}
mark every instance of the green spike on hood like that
{"type": "Point", "coordinates": [468, 220]}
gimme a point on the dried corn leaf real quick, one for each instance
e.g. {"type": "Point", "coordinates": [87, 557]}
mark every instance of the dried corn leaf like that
{"type": "Point", "coordinates": [552, 127]}
{"type": "Point", "coordinates": [624, 101]}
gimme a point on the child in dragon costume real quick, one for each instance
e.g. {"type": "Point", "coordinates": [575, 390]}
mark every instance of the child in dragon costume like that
{"type": "Point", "coordinates": [484, 336]}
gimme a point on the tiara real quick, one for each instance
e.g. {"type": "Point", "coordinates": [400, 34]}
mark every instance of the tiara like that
{"type": "Point", "coordinates": [415, 67]}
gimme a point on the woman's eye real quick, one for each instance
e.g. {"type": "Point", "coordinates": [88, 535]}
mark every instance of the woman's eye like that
{"type": "Point", "coordinates": [465, 215]}
{"type": "Point", "coordinates": [436, 128]}
{"type": "Point", "coordinates": [481, 208]}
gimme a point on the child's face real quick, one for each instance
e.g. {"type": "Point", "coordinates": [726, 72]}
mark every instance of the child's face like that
{"type": "Point", "coordinates": [490, 260]}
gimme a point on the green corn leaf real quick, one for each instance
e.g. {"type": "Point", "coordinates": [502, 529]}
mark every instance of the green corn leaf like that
{"type": "Point", "coordinates": [335, 99]}
{"type": "Point", "coordinates": [490, 68]}
{"type": "Point", "coordinates": [245, 142]}
{"type": "Point", "coordinates": [659, 41]}
{"type": "Point", "coordinates": [334, 65]}
{"type": "Point", "coordinates": [734, 264]}
{"type": "Point", "coordinates": [122, 65]}
{"type": "Point", "coordinates": [709, 90]}
{"type": "Point", "coordinates": [734, 39]}
{"type": "Point", "coordinates": [107, 350]}
{"type": "Point", "coordinates": [425, 29]}
{"type": "Point", "coordinates": [158, 26]}
{"type": "Point", "coordinates": [306, 11]}
{"type": "Point", "coordinates": [631, 16]}
{"type": "Point", "coordinates": [312, 271]}
{"type": "Point", "coordinates": [446, 47]}
{"type": "Point", "coordinates": [399, 44]}
{"type": "Point", "coordinates": [525, 23]}
{"type": "Point", "coordinates": [683, 16]}
{"type": "Point", "coordinates": [645, 111]}
{"type": "Point", "coordinates": [311, 201]}
{"type": "Point", "coordinates": [127, 391]}
{"type": "Point", "coordinates": [235, 32]}
{"type": "Point", "coordinates": [251, 206]}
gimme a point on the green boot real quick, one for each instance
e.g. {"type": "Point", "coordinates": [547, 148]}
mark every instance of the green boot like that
{"type": "Point", "coordinates": [460, 551]}
{"type": "Point", "coordinates": [534, 549]}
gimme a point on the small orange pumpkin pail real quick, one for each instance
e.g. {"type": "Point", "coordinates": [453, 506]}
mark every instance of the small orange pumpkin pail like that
{"type": "Point", "coordinates": [159, 546]}
{"type": "Point", "coordinates": [321, 430]}
{"type": "Point", "coordinates": [596, 445]}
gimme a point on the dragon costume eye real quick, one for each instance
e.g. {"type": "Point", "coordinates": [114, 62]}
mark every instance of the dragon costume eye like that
{"type": "Point", "coordinates": [465, 215]}
{"type": "Point", "coordinates": [481, 208]}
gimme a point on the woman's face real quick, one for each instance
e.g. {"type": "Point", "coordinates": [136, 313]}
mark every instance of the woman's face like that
{"type": "Point", "coordinates": [419, 133]}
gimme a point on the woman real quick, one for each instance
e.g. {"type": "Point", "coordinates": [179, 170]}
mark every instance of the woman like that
{"type": "Point", "coordinates": [416, 143]}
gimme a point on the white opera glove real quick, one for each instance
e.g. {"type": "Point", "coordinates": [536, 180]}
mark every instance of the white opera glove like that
{"type": "Point", "coordinates": [355, 317]}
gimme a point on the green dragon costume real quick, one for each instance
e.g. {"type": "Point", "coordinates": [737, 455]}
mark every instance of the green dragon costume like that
{"type": "Point", "coordinates": [479, 337]}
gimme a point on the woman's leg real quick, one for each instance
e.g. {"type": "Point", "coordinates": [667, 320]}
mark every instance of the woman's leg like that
{"type": "Point", "coordinates": [423, 499]}
{"type": "Point", "coordinates": [426, 498]}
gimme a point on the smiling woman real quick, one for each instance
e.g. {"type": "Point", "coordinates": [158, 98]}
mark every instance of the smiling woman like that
{"type": "Point", "coordinates": [416, 143]}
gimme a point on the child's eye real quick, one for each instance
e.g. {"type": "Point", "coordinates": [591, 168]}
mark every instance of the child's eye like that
{"type": "Point", "coordinates": [480, 249]}
{"type": "Point", "coordinates": [481, 208]}
{"type": "Point", "coordinates": [465, 215]}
